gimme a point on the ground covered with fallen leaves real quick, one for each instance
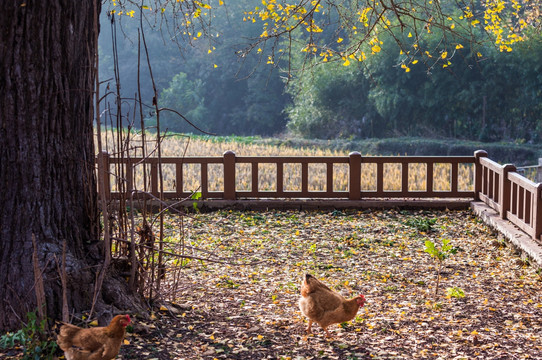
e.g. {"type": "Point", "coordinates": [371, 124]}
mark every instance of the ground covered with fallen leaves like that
{"type": "Point", "coordinates": [489, 305]}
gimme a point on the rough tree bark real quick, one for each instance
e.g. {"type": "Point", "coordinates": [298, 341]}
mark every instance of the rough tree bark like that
{"type": "Point", "coordinates": [47, 181]}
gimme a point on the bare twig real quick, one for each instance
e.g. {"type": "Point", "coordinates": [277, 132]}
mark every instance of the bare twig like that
{"type": "Point", "coordinates": [38, 281]}
{"type": "Point", "coordinates": [63, 279]}
{"type": "Point", "coordinates": [207, 259]}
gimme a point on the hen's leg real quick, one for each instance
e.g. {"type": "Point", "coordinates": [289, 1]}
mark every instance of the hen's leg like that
{"type": "Point", "coordinates": [98, 354]}
{"type": "Point", "coordinates": [309, 327]}
{"type": "Point", "coordinates": [328, 335]}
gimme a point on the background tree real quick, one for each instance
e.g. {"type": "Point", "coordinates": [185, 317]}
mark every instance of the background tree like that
{"type": "Point", "coordinates": [242, 95]}
{"type": "Point", "coordinates": [188, 98]}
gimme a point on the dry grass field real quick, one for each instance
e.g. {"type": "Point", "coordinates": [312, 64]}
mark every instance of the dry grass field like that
{"type": "Point", "coordinates": [179, 146]}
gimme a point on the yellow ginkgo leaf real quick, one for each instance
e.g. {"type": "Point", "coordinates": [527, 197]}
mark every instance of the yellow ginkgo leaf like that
{"type": "Point", "coordinates": [126, 342]}
{"type": "Point", "coordinates": [409, 34]}
{"type": "Point", "coordinates": [414, 62]}
{"type": "Point", "coordinates": [346, 62]}
{"type": "Point", "coordinates": [340, 40]}
{"type": "Point", "coordinates": [459, 46]}
{"type": "Point", "coordinates": [444, 54]}
{"type": "Point", "coordinates": [93, 323]}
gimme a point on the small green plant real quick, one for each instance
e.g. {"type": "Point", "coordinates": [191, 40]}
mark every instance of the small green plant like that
{"type": "Point", "coordinates": [196, 195]}
{"type": "Point", "coordinates": [32, 338]}
{"type": "Point", "coordinates": [421, 224]}
{"type": "Point", "coordinates": [391, 288]}
{"type": "Point", "coordinates": [455, 292]}
{"type": "Point", "coordinates": [439, 255]}
{"type": "Point", "coordinates": [226, 282]}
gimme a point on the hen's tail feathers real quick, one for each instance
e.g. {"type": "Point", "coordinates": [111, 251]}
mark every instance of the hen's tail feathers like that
{"type": "Point", "coordinates": [312, 284]}
{"type": "Point", "coordinates": [65, 336]}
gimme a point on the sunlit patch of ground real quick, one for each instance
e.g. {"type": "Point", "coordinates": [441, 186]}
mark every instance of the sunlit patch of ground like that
{"type": "Point", "coordinates": [229, 311]}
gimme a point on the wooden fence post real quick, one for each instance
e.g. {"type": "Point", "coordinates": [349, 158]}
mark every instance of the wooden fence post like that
{"type": "Point", "coordinates": [354, 183]}
{"type": "Point", "coordinates": [505, 189]}
{"type": "Point", "coordinates": [154, 179]}
{"type": "Point", "coordinates": [537, 212]}
{"type": "Point", "coordinates": [229, 175]}
{"type": "Point", "coordinates": [478, 173]}
{"type": "Point", "coordinates": [539, 171]}
{"type": "Point", "coordinates": [104, 183]}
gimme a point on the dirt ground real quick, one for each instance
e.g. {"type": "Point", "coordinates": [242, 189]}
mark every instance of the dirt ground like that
{"type": "Point", "coordinates": [488, 306]}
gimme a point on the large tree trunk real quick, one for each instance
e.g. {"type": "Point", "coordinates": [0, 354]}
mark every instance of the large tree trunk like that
{"type": "Point", "coordinates": [48, 186]}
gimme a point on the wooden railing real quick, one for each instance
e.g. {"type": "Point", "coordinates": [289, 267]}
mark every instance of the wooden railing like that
{"type": "Point", "coordinates": [514, 197]}
{"type": "Point", "coordinates": [353, 162]}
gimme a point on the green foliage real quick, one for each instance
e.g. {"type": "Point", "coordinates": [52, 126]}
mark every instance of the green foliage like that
{"type": "Point", "coordinates": [455, 292]}
{"type": "Point", "coordinates": [196, 196]}
{"type": "Point", "coordinates": [467, 99]}
{"type": "Point", "coordinates": [439, 254]}
{"type": "Point", "coordinates": [205, 82]}
{"type": "Point", "coordinates": [442, 253]}
{"type": "Point", "coordinates": [327, 104]}
{"type": "Point", "coordinates": [33, 338]}
{"type": "Point", "coordinates": [226, 282]}
{"type": "Point", "coordinates": [422, 224]}
{"type": "Point", "coordinates": [187, 97]}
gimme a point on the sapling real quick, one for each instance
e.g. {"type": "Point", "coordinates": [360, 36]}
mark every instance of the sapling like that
{"type": "Point", "coordinates": [455, 292]}
{"type": "Point", "coordinates": [439, 254]}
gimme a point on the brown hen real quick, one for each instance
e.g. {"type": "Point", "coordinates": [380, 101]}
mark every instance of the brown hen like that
{"type": "Point", "coordinates": [100, 343]}
{"type": "Point", "coordinates": [325, 306]}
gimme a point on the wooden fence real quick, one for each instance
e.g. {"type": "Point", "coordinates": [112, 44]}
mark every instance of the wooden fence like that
{"type": "Point", "coordinates": [514, 197]}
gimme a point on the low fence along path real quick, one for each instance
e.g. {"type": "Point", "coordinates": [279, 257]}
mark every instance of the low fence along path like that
{"type": "Point", "coordinates": [354, 178]}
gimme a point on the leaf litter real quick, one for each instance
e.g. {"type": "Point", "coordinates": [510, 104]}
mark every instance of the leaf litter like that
{"type": "Point", "coordinates": [228, 311]}
{"type": "Point", "coordinates": [489, 304]}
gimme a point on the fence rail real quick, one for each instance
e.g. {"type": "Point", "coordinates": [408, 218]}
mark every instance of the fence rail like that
{"type": "Point", "coordinates": [514, 197]}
